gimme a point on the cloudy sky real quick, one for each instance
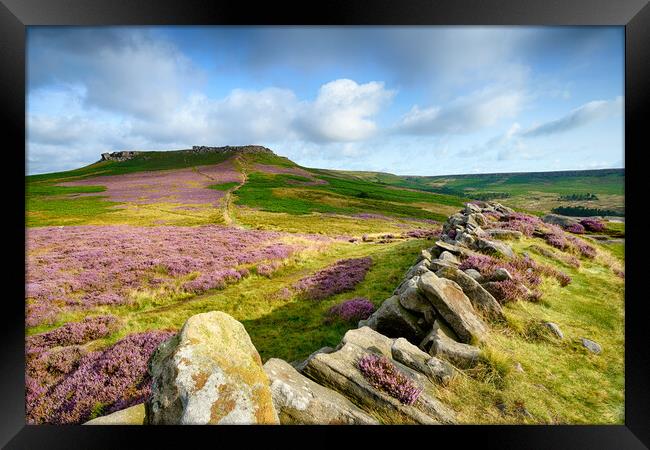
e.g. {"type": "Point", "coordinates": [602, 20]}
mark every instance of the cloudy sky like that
{"type": "Point", "coordinates": [406, 100]}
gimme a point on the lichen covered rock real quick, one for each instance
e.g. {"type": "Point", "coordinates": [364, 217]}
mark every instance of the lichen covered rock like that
{"type": "Point", "coordinates": [210, 373]}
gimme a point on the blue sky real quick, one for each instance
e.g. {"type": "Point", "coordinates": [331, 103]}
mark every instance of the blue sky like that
{"type": "Point", "coordinates": [406, 100]}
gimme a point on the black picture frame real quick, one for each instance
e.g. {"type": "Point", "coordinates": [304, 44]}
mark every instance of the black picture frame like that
{"type": "Point", "coordinates": [634, 15]}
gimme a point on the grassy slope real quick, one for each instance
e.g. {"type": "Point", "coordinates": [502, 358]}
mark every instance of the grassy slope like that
{"type": "Point", "coordinates": [49, 204]}
{"type": "Point", "coordinates": [534, 191]}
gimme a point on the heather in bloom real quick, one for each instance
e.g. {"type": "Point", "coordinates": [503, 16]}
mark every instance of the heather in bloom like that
{"type": "Point", "coordinates": [353, 310]}
{"type": "Point", "coordinates": [102, 382]}
{"type": "Point", "coordinates": [84, 267]}
{"type": "Point", "coordinates": [526, 273]}
{"type": "Point", "coordinates": [187, 186]}
{"type": "Point", "coordinates": [576, 228]}
{"type": "Point", "coordinates": [72, 333]}
{"type": "Point", "coordinates": [382, 374]}
{"type": "Point", "coordinates": [507, 291]}
{"type": "Point", "coordinates": [592, 225]}
{"type": "Point", "coordinates": [344, 275]}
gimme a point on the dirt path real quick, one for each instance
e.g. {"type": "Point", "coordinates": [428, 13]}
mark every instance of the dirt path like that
{"type": "Point", "coordinates": [227, 201]}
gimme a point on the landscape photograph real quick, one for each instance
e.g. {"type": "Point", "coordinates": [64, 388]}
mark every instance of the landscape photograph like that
{"type": "Point", "coordinates": [292, 225]}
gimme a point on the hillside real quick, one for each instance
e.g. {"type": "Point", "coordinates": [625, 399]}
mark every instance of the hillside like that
{"type": "Point", "coordinates": [537, 192]}
{"type": "Point", "coordinates": [121, 253]}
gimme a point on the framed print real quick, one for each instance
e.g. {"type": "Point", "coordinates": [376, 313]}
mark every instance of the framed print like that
{"type": "Point", "coordinates": [363, 214]}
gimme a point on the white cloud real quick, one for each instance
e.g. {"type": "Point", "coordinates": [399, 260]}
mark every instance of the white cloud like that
{"type": "Point", "coordinates": [583, 115]}
{"type": "Point", "coordinates": [465, 114]}
{"type": "Point", "coordinates": [343, 111]}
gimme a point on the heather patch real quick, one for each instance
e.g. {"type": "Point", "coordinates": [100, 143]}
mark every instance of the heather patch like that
{"type": "Point", "coordinates": [352, 310]}
{"type": "Point", "coordinates": [73, 333]}
{"type": "Point", "coordinates": [96, 383]}
{"type": "Point", "coordinates": [344, 275]}
{"type": "Point", "coordinates": [552, 234]}
{"type": "Point", "coordinates": [382, 374]}
{"type": "Point", "coordinates": [186, 186]}
{"type": "Point", "coordinates": [84, 267]}
{"type": "Point", "coordinates": [592, 225]}
{"type": "Point", "coordinates": [526, 276]}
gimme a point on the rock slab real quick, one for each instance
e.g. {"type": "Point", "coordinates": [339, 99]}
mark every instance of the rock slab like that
{"type": "Point", "coordinates": [299, 400]}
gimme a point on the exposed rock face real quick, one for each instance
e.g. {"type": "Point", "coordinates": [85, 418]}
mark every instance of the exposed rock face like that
{"type": "Point", "coordinates": [557, 219]}
{"type": "Point", "coordinates": [411, 356]}
{"type": "Point", "coordinates": [494, 248]}
{"type": "Point", "coordinates": [393, 320]}
{"type": "Point", "coordinates": [453, 305]}
{"type": "Point", "coordinates": [418, 269]}
{"type": "Point", "coordinates": [299, 400]}
{"type": "Point", "coordinates": [119, 156]}
{"type": "Point", "coordinates": [481, 299]}
{"type": "Point", "coordinates": [369, 339]}
{"type": "Point", "coordinates": [339, 371]}
{"type": "Point", "coordinates": [133, 415]}
{"type": "Point", "coordinates": [411, 299]}
{"type": "Point", "coordinates": [210, 373]}
{"type": "Point", "coordinates": [441, 345]}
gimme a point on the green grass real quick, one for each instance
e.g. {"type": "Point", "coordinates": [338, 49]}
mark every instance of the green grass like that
{"type": "Point", "coordinates": [276, 193]}
{"type": "Point", "coordinates": [562, 382]}
{"type": "Point", "coordinates": [288, 328]}
{"type": "Point", "coordinates": [224, 186]}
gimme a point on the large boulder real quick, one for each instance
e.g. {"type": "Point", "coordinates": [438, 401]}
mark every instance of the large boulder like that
{"type": "Point", "coordinates": [411, 356]}
{"type": "Point", "coordinates": [439, 344]}
{"type": "Point", "coordinates": [411, 299]}
{"type": "Point", "coordinates": [562, 221]}
{"type": "Point", "coordinates": [133, 415]}
{"type": "Point", "coordinates": [494, 248]}
{"type": "Point", "coordinates": [300, 401]}
{"type": "Point", "coordinates": [339, 371]}
{"type": "Point", "coordinates": [481, 299]}
{"type": "Point", "coordinates": [209, 373]}
{"type": "Point", "coordinates": [393, 320]}
{"type": "Point", "coordinates": [453, 305]}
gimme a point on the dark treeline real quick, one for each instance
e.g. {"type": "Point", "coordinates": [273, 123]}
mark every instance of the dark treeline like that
{"type": "Point", "coordinates": [578, 197]}
{"type": "Point", "coordinates": [581, 211]}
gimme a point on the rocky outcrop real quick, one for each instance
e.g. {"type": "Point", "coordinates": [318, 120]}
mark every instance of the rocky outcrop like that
{"type": "Point", "coordinates": [210, 373]}
{"type": "Point", "coordinates": [453, 305]}
{"type": "Point", "coordinates": [411, 356]}
{"type": "Point", "coordinates": [393, 320]}
{"type": "Point", "coordinates": [339, 371]}
{"type": "Point", "coordinates": [299, 400]}
{"type": "Point", "coordinates": [119, 156]}
{"type": "Point", "coordinates": [562, 221]}
{"type": "Point", "coordinates": [440, 344]}
{"type": "Point", "coordinates": [481, 299]}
